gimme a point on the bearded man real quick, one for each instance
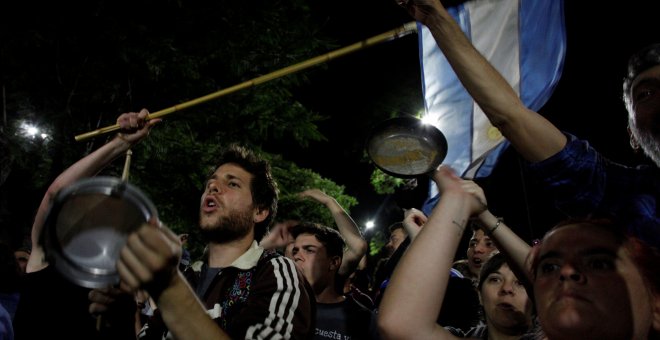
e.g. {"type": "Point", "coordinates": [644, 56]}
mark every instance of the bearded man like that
{"type": "Point", "coordinates": [241, 291]}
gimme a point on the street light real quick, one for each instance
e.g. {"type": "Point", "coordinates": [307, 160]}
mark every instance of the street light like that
{"type": "Point", "coordinates": [31, 131]}
{"type": "Point", "coordinates": [370, 224]}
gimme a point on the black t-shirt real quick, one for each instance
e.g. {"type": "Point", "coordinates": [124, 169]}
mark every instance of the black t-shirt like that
{"type": "Point", "coordinates": [344, 320]}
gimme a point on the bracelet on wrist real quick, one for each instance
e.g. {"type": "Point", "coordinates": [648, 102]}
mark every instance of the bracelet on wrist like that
{"type": "Point", "coordinates": [123, 138]}
{"type": "Point", "coordinates": [497, 225]}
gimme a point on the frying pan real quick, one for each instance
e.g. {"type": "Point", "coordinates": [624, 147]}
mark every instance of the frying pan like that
{"type": "Point", "coordinates": [405, 147]}
{"type": "Point", "coordinates": [87, 225]}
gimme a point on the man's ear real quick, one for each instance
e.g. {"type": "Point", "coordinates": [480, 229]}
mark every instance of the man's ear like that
{"type": "Point", "coordinates": [260, 215]}
{"type": "Point", "coordinates": [633, 141]}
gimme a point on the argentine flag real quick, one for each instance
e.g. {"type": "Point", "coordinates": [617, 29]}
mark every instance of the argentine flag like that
{"type": "Point", "coordinates": [525, 41]}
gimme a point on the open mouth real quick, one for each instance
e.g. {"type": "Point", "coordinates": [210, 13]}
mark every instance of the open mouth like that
{"type": "Point", "coordinates": [209, 204]}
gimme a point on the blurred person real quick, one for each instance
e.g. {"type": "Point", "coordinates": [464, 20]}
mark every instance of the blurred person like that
{"type": "Point", "coordinates": [6, 328]}
{"type": "Point", "coordinates": [22, 256]}
{"type": "Point", "coordinates": [480, 247]}
{"type": "Point", "coordinates": [49, 300]}
{"type": "Point", "coordinates": [397, 236]}
{"type": "Point", "coordinates": [10, 281]}
{"type": "Point", "coordinates": [397, 243]}
{"type": "Point", "coordinates": [145, 309]}
{"type": "Point", "coordinates": [185, 254]}
{"type": "Point", "coordinates": [132, 132]}
{"type": "Point", "coordinates": [400, 236]}
{"type": "Point", "coordinates": [462, 267]}
{"type": "Point", "coordinates": [358, 285]}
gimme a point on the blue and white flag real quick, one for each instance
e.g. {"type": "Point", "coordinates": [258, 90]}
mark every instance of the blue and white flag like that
{"type": "Point", "coordinates": [525, 41]}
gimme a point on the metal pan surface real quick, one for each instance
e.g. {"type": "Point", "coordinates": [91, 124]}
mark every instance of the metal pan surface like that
{"type": "Point", "coordinates": [87, 225]}
{"type": "Point", "coordinates": [405, 147]}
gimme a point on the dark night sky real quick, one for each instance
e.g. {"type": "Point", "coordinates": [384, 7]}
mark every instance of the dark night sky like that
{"type": "Point", "coordinates": [586, 102]}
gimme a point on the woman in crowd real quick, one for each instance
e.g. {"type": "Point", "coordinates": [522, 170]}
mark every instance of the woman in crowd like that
{"type": "Point", "coordinates": [411, 302]}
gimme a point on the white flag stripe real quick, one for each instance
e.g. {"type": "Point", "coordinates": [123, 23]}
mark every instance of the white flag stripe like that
{"type": "Point", "coordinates": [494, 32]}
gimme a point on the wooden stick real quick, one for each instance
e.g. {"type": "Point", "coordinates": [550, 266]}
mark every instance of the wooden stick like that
{"type": "Point", "coordinates": [127, 165]}
{"type": "Point", "coordinates": [401, 31]}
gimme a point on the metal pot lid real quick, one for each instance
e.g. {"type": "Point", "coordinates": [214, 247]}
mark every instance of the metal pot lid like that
{"type": "Point", "coordinates": [406, 147]}
{"type": "Point", "coordinates": [87, 225]}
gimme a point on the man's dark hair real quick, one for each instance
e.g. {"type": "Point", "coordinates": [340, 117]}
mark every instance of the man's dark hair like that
{"type": "Point", "coordinates": [263, 187]}
{"type": "Point", "coordinates": [394, 226]}
{"type": "Point", "coordinates": [330, 238]}
{"type": "Point", "coordinates": [639, 62]}
{"type": "Point", "coordinates": [494, 263]}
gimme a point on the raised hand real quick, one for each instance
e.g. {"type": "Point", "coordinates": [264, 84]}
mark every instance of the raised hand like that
{"type": "Point", "coordinates": [413, 221]}
{"type": "Point", "coordinates": [279, 235]}
{"type": "Point", "coordinates": [450, 184]}
{"type": "Point", "coordinates": [135, 126]}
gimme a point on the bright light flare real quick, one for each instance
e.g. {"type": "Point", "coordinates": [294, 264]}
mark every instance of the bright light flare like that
{"type": "Point", "coordinates": [31, 131]}
{"type": "Point", "coordinates": [427, 119]}
{"type": "Point", "coordinates": [370, 224]}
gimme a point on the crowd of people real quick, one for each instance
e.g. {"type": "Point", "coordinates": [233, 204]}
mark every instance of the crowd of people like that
{"type": "Point", "coordinates": [593, 276]}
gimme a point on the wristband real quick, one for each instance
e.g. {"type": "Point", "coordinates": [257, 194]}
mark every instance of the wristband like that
{"type": "Point", "coordinates": [497, 225]}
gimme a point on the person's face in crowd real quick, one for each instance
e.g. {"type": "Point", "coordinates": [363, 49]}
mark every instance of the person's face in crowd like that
{"type": "Point", "coordinates": [587, 286]}
{"type": "Point", "coordinates": [396, 238]}
{"type": "Point", "coordinates": [479, 249]}
{"type": "Point", "coordinates": [311, 258]}
{"type": "Point", "coordinates": [22, 258]}
{"type": "Point", "coordinates": [227, 212]}
{"type": "Point", "coordinates": [644, 115]}
{"type": "Point", "coordinates": [505, 302]}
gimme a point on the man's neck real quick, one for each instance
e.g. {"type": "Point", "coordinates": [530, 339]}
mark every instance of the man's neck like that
{"type": "Point", "coordinates": [329, 295]}
{"type": "Point", "coordinates": [224, 254]}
